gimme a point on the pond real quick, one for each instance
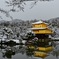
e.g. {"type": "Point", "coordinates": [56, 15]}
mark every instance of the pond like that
{"type": "Point", "coordinates": [23, 52]}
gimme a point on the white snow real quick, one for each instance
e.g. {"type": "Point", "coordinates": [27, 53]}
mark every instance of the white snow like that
{"type": "Point", "coordinates": [37, 28]}
{"type": "Point", "coordinates": [4, 38]}
{"type": "Point", "coordinates": [39, 22]}
{"type": "Point", "coordinates": [23, 41]}
{"type": "Point", "coordinates": [17, 41]}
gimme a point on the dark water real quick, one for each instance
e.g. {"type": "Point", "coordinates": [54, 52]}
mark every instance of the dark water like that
{"type": "Point", "coordinates": [21, 52]}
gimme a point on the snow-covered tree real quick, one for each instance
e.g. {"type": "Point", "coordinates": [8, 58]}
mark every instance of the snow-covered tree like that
{"type": "Point", "coordinates": [8, 32]}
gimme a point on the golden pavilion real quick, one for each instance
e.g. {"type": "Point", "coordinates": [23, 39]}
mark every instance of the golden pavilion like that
{"type": "Point", "coordinates": [42, 32]}
{"type": "Point", "coordinates": [41, 28]}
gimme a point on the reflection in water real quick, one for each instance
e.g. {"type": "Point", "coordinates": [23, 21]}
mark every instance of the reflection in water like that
{"type": "Point", "coordinates": [55, 52]}
{"type": "Point", "coordinates": [9, 51]}
{"type": "Point", "coordinates": [30, 51]}
{"type": "Point", "coordinates": [8, 54]}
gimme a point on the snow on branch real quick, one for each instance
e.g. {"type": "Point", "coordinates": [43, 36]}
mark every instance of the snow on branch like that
{"type": "Point", "coordinates": [6, 13]}
{"type": "Point", "coordinates": [21, 3]}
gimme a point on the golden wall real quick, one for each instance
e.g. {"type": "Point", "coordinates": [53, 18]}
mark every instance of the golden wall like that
{"type": "Point", "coordinates": [42, 25]}
{"type": "Point", "coordinates": [43, 31]}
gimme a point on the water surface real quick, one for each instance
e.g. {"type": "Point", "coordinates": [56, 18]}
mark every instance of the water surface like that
{"type": "Point", "coordinates": [20, 52]}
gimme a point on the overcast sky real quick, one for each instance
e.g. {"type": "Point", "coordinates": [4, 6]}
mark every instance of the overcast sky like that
{"type": "Point", "coordinates": [42, 10]}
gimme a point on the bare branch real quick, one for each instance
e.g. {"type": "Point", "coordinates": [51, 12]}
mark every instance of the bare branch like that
{"type": "Point", "coordinates": [33, 4]}
{"type": "Point", "coordinates": [6, 13]}
{"type": "Point", "coordinates": [20, 3]}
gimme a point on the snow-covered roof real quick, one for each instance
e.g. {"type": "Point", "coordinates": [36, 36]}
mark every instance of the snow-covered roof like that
{"type": "Point", "coordinates": [14, 40]}
{"type": "Point", "coordinates": [39, 22]}
{"type": "Point", "coordinates": [37, 28]}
